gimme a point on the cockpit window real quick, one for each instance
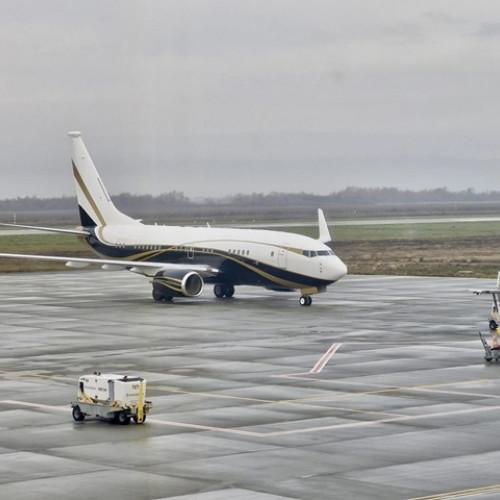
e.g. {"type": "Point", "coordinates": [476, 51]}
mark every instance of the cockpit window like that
{"type": "Point", "coordinates": [315, 253]}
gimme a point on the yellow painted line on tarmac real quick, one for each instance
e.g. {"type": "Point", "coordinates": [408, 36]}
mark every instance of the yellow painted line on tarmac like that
{"type": "Point", "coordinates": [288, 402]}
{"type": "Point", "coordinates": [208, 394]}
{"type": "Point", "coordinates": [33, 374]}
{"type": "Point", "coordinates": [416, 388]}
{"type": "Point", "coordinates": [461, 494]}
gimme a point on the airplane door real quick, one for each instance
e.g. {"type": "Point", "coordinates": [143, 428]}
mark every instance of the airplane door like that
{"type": "Point", "coordinates": [282, 258]}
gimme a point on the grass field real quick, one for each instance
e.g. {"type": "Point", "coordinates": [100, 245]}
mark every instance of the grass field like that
{"type": "Point", "coordinates": [438, 249]}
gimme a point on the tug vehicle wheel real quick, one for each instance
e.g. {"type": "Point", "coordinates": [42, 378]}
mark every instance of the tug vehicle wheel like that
{"type": "Point", "coordinates": [78, 416]}
{"type": "Point", "coordinates": [143, 419]}
{"type": "Point", "coordinates": [122, 418]}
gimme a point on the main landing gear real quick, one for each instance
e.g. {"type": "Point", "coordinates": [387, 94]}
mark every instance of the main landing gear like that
{"type": "Point", "coordinates": [223, 291]}
{"type": "Point", "coordinates": [158, 296]}
{"type": "Point", "coordinates": [305, 300]}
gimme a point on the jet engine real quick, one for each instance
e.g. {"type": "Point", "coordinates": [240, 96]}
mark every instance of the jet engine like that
{"type": "Point", "coordinates": [168, 284]}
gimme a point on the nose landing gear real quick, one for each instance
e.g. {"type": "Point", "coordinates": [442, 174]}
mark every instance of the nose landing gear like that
{"type": "Point", "coordinates": [305, 300]}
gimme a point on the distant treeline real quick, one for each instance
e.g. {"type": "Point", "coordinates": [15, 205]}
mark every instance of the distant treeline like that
{"type": "Point", "coordinates": [349, 196]}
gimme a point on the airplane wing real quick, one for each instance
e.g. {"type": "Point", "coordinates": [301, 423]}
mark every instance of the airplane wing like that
{"type": "Point", "coordinates": [140, 267]}
{"type": "Point", "coordinates": [48, 229]}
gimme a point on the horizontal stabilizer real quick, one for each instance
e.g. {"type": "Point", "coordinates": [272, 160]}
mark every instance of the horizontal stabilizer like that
{"type": "Point", "coordinates": [76, 232]}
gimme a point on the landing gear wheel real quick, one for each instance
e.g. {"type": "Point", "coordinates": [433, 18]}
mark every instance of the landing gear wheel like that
{"type": "Point", "coordinates": [223, 291]}
{"type": "Point", "coordinates": [305, 300]}
{"type": "Point", "coordinates": [159, 297]}
{"type": "Point", "coordinates": [78, 416]}
{"type": "Point", "coordinates": [122, 418]}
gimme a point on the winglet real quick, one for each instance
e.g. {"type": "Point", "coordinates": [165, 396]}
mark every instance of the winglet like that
{"type": "Point", "coordinates": [324, 232]}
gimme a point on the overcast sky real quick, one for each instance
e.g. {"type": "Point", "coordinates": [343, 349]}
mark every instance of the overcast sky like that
{"type": "Point", "coordinates": [224, 96]}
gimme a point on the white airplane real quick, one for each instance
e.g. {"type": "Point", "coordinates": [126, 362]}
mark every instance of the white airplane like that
{"type": "Point", "coordinates": [179, 260]}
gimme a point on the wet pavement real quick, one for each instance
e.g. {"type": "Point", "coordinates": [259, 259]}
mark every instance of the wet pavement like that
{"type": "Point", "coordinates": [379, 390]}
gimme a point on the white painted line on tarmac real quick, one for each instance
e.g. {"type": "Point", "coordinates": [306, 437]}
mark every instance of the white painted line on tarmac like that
{"type": "Point", "coordinates": [206, 428]}
{"type": "Point", "coordinates": [303, 430]}
{"type": "Point", "coordinates": [391, 420]}
{"type": "Point", "coordinates": [36, 405]}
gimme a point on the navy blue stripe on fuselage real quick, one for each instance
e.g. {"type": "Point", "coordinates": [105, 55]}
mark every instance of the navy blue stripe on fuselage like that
{"type": "Point", "coordinates": [233, 269]}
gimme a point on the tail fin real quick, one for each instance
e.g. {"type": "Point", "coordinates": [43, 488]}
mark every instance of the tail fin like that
{"type": "Point", "coordinates": [94, 203]}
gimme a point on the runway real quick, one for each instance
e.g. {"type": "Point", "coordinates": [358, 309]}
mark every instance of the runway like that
{"type": "Point", "coordinates": [379, 390]}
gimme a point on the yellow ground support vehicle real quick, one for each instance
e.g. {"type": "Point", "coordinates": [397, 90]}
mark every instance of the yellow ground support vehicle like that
{"type": "Point", "coordinates": [112, 397]}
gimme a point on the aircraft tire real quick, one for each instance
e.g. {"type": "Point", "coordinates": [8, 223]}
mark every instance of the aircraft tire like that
{"type": "Point", "coordinates": [159, 297]}
{"type": "Point", "coordinates": [229, 291]}
{"type": "Point", "coordinates": [219, 291]}
{"type": "Point", "coordinates": [305, 300]}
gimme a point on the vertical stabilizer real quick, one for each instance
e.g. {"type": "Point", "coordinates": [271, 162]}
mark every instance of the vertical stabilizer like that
{"type": "Point", "coordinates": [94, 203]}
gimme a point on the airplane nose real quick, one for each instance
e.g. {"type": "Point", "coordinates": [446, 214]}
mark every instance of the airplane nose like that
{"type": "Point", "coordinates": [337, 269]}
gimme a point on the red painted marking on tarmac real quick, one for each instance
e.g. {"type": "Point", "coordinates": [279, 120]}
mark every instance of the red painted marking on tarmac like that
{"type": "Point", "coordinates": [318, 367]}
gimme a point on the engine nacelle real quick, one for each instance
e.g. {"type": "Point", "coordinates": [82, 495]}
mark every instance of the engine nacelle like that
{"type": "Point", "coordinates": [168, 284]}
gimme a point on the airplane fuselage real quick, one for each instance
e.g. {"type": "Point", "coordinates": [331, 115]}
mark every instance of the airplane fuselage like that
{"type": "Point", "coordinates": [274, 259]}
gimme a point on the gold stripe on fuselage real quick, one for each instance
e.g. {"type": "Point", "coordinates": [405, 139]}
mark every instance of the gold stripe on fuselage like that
{"type": "Point", "coordinates": [86, 192]}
